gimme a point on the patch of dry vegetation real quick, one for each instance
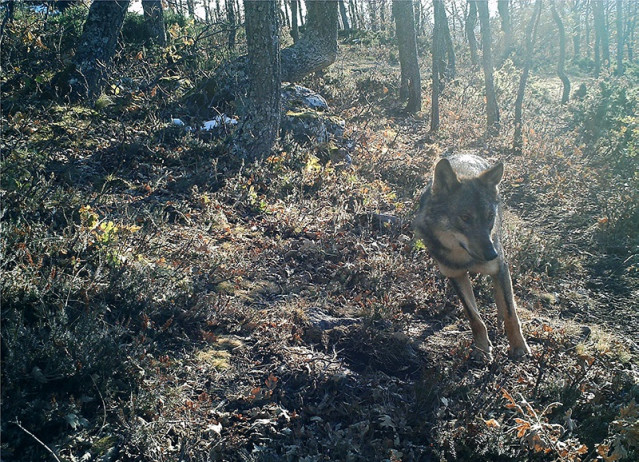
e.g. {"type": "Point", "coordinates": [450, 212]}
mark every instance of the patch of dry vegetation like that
{"type": "Point", "coordinates": [162, 301]}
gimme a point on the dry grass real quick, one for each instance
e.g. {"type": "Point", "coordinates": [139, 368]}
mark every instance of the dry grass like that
{"type": "Point", "coordinates": [161, 301]}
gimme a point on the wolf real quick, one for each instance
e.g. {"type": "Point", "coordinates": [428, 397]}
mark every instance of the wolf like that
{"type": "Point", "coordinates": [459, 221]}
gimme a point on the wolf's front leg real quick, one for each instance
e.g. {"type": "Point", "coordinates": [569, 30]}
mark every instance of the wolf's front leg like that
{"type": "Point", "coordinates": [507, 308]}
{"type": "Point", "coordinates": [480, 334]}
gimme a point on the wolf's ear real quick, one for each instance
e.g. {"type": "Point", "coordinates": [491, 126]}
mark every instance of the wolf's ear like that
{"type": "Point", "coordinates": [493, 175]}
{"type": "Point", "coordinates": [445, 179]}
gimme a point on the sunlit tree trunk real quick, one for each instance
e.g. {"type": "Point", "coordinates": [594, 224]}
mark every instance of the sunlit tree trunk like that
{"type": "Point", "coordinates": [437, 66]}
{"type": "Point", "coordinates": [588, 9]}
{"type": "Point", "coordinates": [471, 22]}
{"type": "Point", "coordinates": [602, 49]}
{"type": "Point", "coordinates": [97, 46]}
{"type": "Point", "coordinates": [230, 17]}
{"type": "Point", "coordinates": [631, 25]}
{"type": "Point", "coordinates": [506, 26]}
{"type": "Point", "coordinates": [372, 14]}
{"type": "Point", "coordinates": [561, 71]}
{"type": "Point", "coordinates": [261, 119]}
{"type": "Point", "coordinates": [531, 32]}
{"type": "Point", "coordinates": [352, 9]}
{"type": "Point", "coordinates": [620, 37]}
{"type": "Point", "coordinates": [407, 45]}
{"type": "Point", "coordinates": [448, 42]}
{"type": "Point", "coordinates": [295, 32]}
{"type": "Point", "coordinates": [218, 10]}
{"type": "Point", "coordinates": [492, 110]}
{"type": "Point", "coordinates": [342, 11]}
{"type": "Point", "coordinates": [576, 30]}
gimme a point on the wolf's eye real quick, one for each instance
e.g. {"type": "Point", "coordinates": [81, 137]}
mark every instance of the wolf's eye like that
{"type": "Point", "coordinates": [465, 217]}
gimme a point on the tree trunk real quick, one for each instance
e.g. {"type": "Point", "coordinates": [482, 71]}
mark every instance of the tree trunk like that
{"type": "Point", "coordinates": [218, 10]}
{"type": "Point", "coordinates": [492, 110]}
{"type": "Point", "coordinates": [230, 17]}
{"type": "Point", "coordinates": [382, 15]}
{"type": "Point", "coordinates": [418, 18]}
{"type": "Point", "coordinates": [471, 22]}
{"type": "Point", "coordinates": [317, 48]}
{"type": "Point", "coordinates": [531, 32]}
{"type": "Point", "coordinates": [620, 36]}
{"type": "Point", "coordinates": [261, 119]}
{"type": "Point", "coordinates": [587, 28]}
{"type": "Point", "coordinates": [438, 65]}
{"type": "Point", "coordinates": [283, 6]}
{"type": "Point", "coordinates": [602, 50]}
{"type": "Point", "coordinates": [97, 47]}
{"type": "Point", "coordinates": [506, 26]}
{"type": "Point", "coordinates": [295, 32]}
{"type": "Point", "coordinates": [8, 17]}
{"type": "Point", "coordinates": [630, 30]}
{"type": "Point", "coordinates": [448, 42]}
{"type": "Point", "coordinates": [353, 11]}
{"type": "Point", "coordinates": [561, 70]}
{"type": "Point", "coordinates": [154, 19]}
{"type": "Point", "coordinates": [576, 31]}
{"type": "Point", "coordinates": [342, 11]}
{"type": "Point", "coordinates": [407, 44]}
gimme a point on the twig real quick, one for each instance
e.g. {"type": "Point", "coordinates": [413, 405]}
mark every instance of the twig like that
{"type": "Point", "coordinates": [104, 417]}
{"type": "Point", "coordinates": [37, 439]}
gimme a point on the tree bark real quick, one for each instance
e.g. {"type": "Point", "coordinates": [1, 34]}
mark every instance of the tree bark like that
{"type": "Point", "coordinates": [295, 32]}
{"type": "Point", "coordinates": [576, 30]}
{"type": "Point", "coordinates": [448, 41]}
{"type": "Point", "coordinates": [407, 44]}
{"type": "Point", "coordinates": [438, 65]}
{"type": "Point", "coordinates": [531, 32]}
{"type": "Point", "coordinates": [230, 17]}
{"type": "Point", "coordinates": [372, 14]}
{"type": "Point", "coordinates": [96, 48]}
{"type": "Point", "coordinates": [601, 36]}
{"type": "Point", "coordinates": [283, 5]}
{"type": "Point", "coordinates": [561, 69]}
{"type": "Point", "coordinates": [631, 25]}
{"type": "Point", "coordinates": [492, 110]}
{"type": "Point", "coordinates": [506, 26]}
{"type": "Point", "coordinates": [620, 37]}
{"type": "Point", "coordinates": [154, 19]}
{"type": "Point", "coordinates": [588, 8]}
{"type": "Point", "coordinates": [353, 11]}
{"type": "Point", "coordinates": [317, 48]}
{"type": "Point", "coordinates": [261, 116]}
{"type": "Point", "coordinates": [342, 11]}
{"type": "Point", "coordinates": [471, 22]}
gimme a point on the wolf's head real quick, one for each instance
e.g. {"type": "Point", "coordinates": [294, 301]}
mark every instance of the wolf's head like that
{"type": "Point", "coordinates": [465, 198]}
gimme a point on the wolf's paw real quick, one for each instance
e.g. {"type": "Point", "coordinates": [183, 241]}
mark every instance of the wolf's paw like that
{"type": "Point", "coordinates": [518, 352]}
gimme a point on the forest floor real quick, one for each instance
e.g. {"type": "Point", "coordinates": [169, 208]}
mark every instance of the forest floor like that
{"type": "Point", "coordinates": [162, 301]}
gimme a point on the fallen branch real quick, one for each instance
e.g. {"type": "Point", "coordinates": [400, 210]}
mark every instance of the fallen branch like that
{"type": "Point", "coordinates": [37, 439]}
